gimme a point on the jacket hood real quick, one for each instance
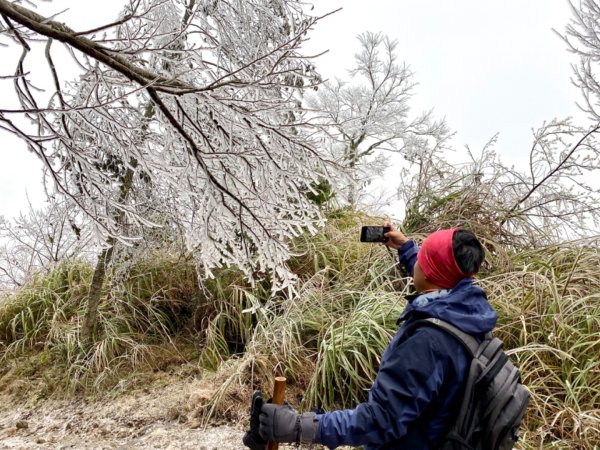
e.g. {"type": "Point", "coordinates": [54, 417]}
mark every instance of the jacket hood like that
{"type": "Point", "coordinates": [465, 306]}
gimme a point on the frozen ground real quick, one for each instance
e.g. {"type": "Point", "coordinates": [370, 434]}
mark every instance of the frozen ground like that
{"type": "Point", "coordinates": [157, 418]}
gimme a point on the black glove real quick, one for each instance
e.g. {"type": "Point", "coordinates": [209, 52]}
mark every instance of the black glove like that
{"type": "Point", "coordinates": [281, 423]}
{"type": "Point", "coordinates": [252, 437]}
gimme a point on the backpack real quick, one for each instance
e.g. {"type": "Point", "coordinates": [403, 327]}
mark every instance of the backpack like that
{"type": "Point", "coordinates": [493, 400]}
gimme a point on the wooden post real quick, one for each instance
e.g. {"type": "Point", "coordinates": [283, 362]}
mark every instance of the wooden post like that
{"type": "Point", "coordinates": [278, 396]}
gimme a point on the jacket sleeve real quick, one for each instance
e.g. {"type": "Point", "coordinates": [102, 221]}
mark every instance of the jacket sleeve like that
{"type": "Point", "coordinates": [407, 256]}
{"type": "Point", "coordinates": [411, 375]}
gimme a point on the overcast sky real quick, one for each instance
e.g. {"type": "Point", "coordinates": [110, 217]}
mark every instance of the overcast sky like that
{"type": "Point", "coordinates": [493, 66]}
{"type": "Point", "coordinates": [487, 67]}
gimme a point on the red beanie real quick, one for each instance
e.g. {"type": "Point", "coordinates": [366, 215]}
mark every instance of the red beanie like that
{"type": "Point", "coordinates": [436, 260]}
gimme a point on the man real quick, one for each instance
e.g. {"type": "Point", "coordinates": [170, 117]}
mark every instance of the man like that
{"type": "Point", "coordinates": [416, 391]}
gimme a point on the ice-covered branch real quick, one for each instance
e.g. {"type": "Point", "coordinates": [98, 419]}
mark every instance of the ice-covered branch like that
{"type": "Point", "coordinates": [227, 148]}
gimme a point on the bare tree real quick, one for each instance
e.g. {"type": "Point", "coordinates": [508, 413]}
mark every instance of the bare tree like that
{"type": "Point", "coordinates": [370, 115]}
{"type": "Point", "coordinates": [223, 80]}
{"type": "Point", "coordinates": [195, 101]}
{"type": "Point", "coordinates": [583, 39]}
{"type": "Point", "coordinates": [556, 198]}
{"type": "Point", "coordinates": [553, 200]}
{"type": "Point", "coordinates": [36, 241]}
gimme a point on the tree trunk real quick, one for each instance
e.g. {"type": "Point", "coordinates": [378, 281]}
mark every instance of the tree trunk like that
{"type": "Point", "coordinates": [352, 158]}
{"type": "Point", "coordinates": [104, 259]}
{"type": "Point", "coordinates": [94, 295]}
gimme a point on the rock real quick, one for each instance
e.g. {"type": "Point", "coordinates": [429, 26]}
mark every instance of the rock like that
{"type": "Point", "coordinates": [8, 432]}
{"type": "Point", "coordinates": [195, 424]}
{"type": "Point", "coordinates": [173, 413]}
{"type": "Point", "coordinates": [22, 424]}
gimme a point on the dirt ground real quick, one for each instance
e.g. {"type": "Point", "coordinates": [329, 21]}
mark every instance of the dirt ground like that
{"type": "Point", "coordinates": [153, 418]}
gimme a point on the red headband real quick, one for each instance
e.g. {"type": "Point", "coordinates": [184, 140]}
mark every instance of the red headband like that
{"type": "Point", "coordinates": [436, 260]}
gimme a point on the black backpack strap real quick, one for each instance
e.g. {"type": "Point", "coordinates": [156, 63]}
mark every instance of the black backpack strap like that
{"type": "Point", "coordinates": [471, 346]}
{"type": "Point", "coordinates": [469, 342]}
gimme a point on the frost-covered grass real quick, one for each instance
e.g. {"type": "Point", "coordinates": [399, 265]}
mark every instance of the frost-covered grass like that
{"type": "Point", "coordinates": [138, 322]}
{"type": "Point", "coordinates": [327, 338]}
{"type": "Point", "coordinates": [549, 307]}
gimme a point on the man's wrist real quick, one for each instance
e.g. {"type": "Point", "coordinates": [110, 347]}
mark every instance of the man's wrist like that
{"type": "Point", "coordinates": [309, 424]}
{"type": "Point", "coordinates": [404, 244]}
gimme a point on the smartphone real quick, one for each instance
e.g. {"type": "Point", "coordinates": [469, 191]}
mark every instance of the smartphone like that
{"type": "Point", "coordinates": [373, 234]}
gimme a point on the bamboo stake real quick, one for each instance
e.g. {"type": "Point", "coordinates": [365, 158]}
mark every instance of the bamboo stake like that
{"type": "Point", "coordinates": [278, 396]}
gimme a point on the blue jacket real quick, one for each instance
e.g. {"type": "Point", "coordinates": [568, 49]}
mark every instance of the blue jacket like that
{"type": "Point", "coordinates": [415, 393]}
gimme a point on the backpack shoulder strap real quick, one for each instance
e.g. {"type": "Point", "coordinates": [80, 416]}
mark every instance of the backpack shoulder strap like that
{"type": "Point", "coordinates": [468, 341]}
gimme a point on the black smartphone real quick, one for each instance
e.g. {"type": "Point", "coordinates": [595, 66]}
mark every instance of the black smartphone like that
{"type": "Point", "coordinates": [373, 234]}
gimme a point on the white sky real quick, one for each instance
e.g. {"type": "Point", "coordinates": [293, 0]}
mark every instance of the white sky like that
{"type": "Point", "coordinates": [487, 66]}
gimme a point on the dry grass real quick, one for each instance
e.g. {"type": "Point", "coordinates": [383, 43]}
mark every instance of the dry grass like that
{"type": "Point", "coordinates": [550, 318]}
{"type": "Point", "coordinates": [328, 337]}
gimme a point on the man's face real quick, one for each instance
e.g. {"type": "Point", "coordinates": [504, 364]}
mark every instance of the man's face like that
{"type": "Point", "coordinates": [419, 278]}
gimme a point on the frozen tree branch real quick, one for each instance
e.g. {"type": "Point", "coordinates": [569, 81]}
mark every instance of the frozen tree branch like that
{"type": "Point", "coordinates": [227, 146]}
{"type": "Point", "coordinates": [37, 241]}
{"type": "Point", "coordinates": [371, 115]}
{"type": "Point", "coordinates": [553, 200]}
{"type": "Point", "coordinates": [556, 198]}
{"type": "Point", "coordinates": [562, 168]}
